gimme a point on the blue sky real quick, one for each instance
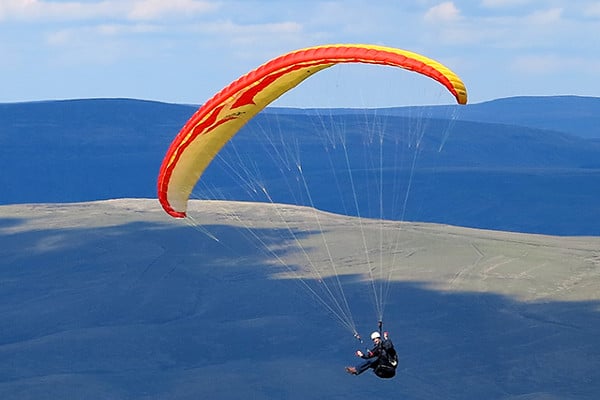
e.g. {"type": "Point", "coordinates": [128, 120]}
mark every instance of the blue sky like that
{"type": "Point", "coordinates": [183, 51]}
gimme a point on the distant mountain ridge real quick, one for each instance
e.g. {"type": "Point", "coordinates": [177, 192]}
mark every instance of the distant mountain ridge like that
{"type": "Point", "coordinates": [528, 164]}
{"type": "Point", "coordinates": [576, 115]}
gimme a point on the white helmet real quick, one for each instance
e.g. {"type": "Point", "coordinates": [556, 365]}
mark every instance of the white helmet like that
{"type": "Point", "coordinates": [375, 335]}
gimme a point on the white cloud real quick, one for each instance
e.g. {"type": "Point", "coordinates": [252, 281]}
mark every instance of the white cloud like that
{"type": "Point", "coordinates": [503, 3]}
{"type": "Point", "coordinates": [44, 10]}
{"type": "Point", "coordinates": [536, 64]}
{"type": "Point", "coordinates": [553, 64]}
{"type": "Point", "coordinates": [592, 10]}
{"type": "Point", "coordinates": [153, 9]}
{"type": "Point", "coordinates": [100, 45]}
{"type": "Point", "coordinates": [229, 27]}
{"type": "Point", "coordinates": [543, 17]}
{"type": "Point", "coordinates": [59, 38]}
{"type": "Point", "coordinates": [118, 29]}
{"type": "Point", "coordinates": [67, 36]}
{"type": "Point", "coordinates": [446, 11]}
{"type": "Point", "coordinates": [36, 10]}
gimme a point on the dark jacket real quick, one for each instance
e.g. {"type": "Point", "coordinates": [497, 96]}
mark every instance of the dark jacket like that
{"type": "Point", "coordinates": [384, 351]}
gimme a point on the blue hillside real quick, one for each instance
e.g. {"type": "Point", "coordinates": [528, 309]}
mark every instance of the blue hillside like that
{"type": "Point", "coordinates": [497, 166]}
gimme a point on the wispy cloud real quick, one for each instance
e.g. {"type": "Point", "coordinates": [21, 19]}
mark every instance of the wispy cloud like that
{"type": "Point", "coordinates": [65, 36]}
{"type": "Point", "coordinates": [445, 11]}
{"type": "Point", "coordinates": [41, 10]}
{"type": "Point", "coordinates": [37, 10]}
{"type": "Point", "coordinates": [154, 9]}
{"type": "Point", "coordinates": [504, 3]}
{"type": "Point", "coordinates": [552, 64]}
{"type": "Point", "coordinates": [592, 10]}
{"type": "Point", "coordinates": [548, 16]}
{"type": "Point", "coordinates": [228, 27]}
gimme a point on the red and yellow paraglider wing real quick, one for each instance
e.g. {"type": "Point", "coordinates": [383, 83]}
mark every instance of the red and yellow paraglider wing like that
{"type": "Point", "coordinates": [217, 121]}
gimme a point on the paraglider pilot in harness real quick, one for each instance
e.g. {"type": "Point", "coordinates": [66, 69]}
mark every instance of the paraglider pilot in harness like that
{"type": "Point", "coordinates": [382, 358]}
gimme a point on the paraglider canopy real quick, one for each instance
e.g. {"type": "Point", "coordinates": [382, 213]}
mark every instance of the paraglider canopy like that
{"type": "Point", "coordinates": [221, 117]}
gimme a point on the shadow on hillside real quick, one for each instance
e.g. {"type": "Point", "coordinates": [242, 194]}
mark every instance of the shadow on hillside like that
{"type": "Point", "coordinates": [145, 310]}
{"type": "Point", "coordinates": [10, 222]}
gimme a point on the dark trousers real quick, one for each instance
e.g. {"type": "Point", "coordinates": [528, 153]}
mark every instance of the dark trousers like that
{"type": "Point", "coordinates": [366, 365]}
